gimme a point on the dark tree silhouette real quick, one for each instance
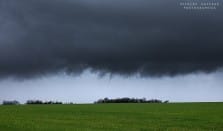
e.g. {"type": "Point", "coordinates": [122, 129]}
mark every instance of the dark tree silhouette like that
{"type": "Point", "coordinates": [41, 102]}
{"type": "Point", "coordinates": [129, 100]}
{"type": "Point", "coordinates": [10, 102]}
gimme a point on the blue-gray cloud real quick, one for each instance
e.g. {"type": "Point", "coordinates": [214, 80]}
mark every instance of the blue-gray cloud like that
{"type": "Point", "coordinates": [125, 37]}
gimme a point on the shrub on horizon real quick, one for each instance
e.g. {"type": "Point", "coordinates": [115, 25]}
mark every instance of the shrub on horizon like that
{"type": "Point", "coordinates": [14, 102]}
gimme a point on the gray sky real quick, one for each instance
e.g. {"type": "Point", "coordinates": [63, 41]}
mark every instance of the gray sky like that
{"type": "Point", "coordinates": [150, 37]}
{"type": "Point", "coordinates": [152, 48]}
{"type": "Point", "coordinates": [89, 87]}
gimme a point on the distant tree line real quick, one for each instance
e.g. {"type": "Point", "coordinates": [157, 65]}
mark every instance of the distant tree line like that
{"type": "Point", "coordinates": [14, 102]}
{"type": "Point", "coordinates": [129, 100]}
{"type": "Point", "coordinates": [41, 102]}
{"type": "Point", "coordinates": [105, 100]}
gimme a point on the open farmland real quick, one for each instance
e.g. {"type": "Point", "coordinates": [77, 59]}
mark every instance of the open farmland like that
{"type": "Point", "coordinates": [129, 117]}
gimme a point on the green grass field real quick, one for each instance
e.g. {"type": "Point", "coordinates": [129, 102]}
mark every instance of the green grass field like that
{"type": "Point", "coordinates": [123, 117]}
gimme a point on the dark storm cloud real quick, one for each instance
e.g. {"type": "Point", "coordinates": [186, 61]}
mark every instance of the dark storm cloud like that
{"type": "Point", "coordinates": [154, 37]}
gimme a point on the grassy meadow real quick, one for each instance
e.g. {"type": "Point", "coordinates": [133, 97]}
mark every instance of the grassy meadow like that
{"type": "Point", "coordinates": [113, 117]}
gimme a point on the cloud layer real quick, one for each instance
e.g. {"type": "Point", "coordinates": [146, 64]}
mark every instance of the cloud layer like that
{"type": "Point", "coordinates": [152, 38]}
